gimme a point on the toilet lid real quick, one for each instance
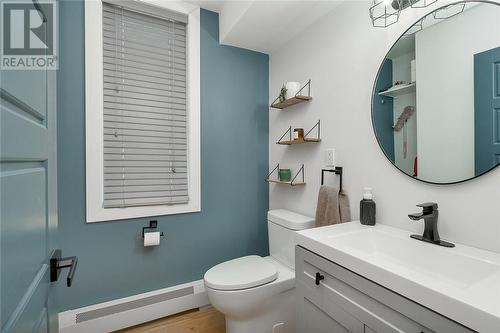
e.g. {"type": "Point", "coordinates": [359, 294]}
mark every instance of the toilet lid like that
{"type": "Point", "coordinates": [241, 273]}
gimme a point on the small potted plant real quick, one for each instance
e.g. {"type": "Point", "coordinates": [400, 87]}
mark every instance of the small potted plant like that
{"type": "Point", "coordinates": [282, 96]}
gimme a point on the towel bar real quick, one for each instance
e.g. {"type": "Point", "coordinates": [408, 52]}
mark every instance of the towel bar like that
{"type": "Point", "coordinates": [337, 171]}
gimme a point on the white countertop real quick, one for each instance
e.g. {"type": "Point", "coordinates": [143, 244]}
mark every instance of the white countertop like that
{"type": "Point", "coordinates": [461, 283]}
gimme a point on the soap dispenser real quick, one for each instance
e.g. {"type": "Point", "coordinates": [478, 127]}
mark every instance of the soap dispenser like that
{"type": "Point", "coordinates": [367, 208]}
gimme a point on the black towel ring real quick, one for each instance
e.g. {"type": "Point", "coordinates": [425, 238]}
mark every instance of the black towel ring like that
{"type": "Point", "coordinates": [337, 171]}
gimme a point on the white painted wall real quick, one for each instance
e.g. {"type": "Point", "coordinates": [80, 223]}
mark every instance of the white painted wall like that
{"type": "Point", "coordinates": [401, 70]}
{"type": "Point", "coordinates": [445, 91]}
{"type": "Point", "coordinates": [341, 53]}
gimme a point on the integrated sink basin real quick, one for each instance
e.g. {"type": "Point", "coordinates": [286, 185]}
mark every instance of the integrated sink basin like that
{"type": "Point", "coordinates": [404, 253]}
{"type": "Point", "coordinates": [461, 283]}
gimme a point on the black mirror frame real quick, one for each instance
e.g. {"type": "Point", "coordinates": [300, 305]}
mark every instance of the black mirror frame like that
{"type": "Point", "coordinates": [373, 96]}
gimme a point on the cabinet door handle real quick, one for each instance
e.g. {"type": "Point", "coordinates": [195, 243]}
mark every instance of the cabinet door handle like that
{"type": "Point", "coordinates": [319, 277]}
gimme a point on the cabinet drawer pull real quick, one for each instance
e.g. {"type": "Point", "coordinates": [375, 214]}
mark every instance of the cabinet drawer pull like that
{"type": "Point", "coordinates": [319, 277]}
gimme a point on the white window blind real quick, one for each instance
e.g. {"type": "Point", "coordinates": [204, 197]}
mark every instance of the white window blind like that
{"type": "Point", "coordinates": [145, 115]}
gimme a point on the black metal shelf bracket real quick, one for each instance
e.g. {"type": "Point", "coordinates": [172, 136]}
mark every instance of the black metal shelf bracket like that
{"type": "Point", "coordinates": [338, 171]}
{"type": "Point", "coordinates": [289, 132]}
{"type": "Point", "coordinates": [301, 171]}
{"type": "Point", "coordinates": [318, 126]}
{"type": "Point", "coordinates": [308, 85]}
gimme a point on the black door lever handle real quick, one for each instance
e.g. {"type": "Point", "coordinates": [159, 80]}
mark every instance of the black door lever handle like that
{"type": "Point", "coordinates": [57, 263]}
{"type": "Point", "coordinates": [319, 277]}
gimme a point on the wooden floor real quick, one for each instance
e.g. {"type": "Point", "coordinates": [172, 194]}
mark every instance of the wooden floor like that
{"type": "Point", "coordinates": [206, 320]}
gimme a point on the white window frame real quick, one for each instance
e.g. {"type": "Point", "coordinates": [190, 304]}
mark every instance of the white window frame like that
{"type": "Point", "coordinates": [94, 117]}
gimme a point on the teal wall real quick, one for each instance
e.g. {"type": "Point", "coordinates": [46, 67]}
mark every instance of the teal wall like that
{"type": "Point", "coordinates": [383, 110]}
{"type": "Point", "coordinates": [234, 135]}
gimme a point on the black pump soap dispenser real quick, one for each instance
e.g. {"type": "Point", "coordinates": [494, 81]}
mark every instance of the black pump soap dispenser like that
{"type": "Point", "coordinates": [367, 208]}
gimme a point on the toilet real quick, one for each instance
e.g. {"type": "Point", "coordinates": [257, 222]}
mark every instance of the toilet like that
{"type": "Point", "coordinates": [257, 294]}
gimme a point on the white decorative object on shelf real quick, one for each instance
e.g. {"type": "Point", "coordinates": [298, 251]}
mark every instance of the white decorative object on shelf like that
{"type": "Point", "coordinates": [292, 88]}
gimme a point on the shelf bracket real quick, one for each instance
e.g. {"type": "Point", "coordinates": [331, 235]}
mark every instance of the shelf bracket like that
{"type": "Point", "coordinates": [308, 85]}
{"type": "Point", "coordinates": [270, 173]}
{"type": "Point", "coordinates": [318, 126]}
{"type": "Point", "coordinates": [289, 132]}
{"type": "Point", "coordinates": [301, 171]}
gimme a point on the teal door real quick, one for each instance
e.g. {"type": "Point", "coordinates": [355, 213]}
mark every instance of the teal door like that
{"type": "Point", "coordinates": [487, 110]}
{"type": "Point", "coordinates": [28, 207]}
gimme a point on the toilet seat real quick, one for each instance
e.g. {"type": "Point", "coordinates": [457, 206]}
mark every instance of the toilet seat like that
{"type": "Point", "coordinates": [241, 273]}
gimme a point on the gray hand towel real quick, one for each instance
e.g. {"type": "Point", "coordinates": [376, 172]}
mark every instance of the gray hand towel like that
{"type": "Point", "coordinates": [333, 207]}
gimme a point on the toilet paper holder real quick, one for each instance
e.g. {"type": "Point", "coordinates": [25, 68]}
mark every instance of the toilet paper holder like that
{"type": "Point", "coordinates": [153, 225]}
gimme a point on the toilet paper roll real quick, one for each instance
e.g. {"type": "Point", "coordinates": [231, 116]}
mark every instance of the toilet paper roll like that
{"type": "Point", "coordinates": [151, 238]}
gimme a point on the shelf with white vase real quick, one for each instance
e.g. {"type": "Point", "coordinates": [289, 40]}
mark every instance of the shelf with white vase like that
{"type": "Point", "coordinates": [299, 97]}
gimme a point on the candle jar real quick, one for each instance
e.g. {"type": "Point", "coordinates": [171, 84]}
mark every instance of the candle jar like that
{"type": "Point", "coordinates": [285, 175]}
{"type": "Point", "coordinates": [298, 134]}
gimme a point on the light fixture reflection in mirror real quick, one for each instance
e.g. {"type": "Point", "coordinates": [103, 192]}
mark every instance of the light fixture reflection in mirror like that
{"type": "Point", "coordinates": [414, 29]}
{"type": "Point", "coordinates": [384, 13]}
{"type": "Point", "coordinates": [436, 99]}
{"type": "Point", "coordinates": [421, 3]}
{"type": "Point", "coordinates": [449, 11]}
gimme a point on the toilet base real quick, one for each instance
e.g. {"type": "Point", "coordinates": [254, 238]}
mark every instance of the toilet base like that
{"type": "Point", "coordinates": [279, 314]}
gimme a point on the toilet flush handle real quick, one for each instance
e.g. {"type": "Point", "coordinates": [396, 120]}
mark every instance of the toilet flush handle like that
{"type": "Point", "coordinates": [319, 277]}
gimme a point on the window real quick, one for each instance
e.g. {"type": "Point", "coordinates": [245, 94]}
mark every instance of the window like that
{"type": "Point", "coordinates": [142, 110]}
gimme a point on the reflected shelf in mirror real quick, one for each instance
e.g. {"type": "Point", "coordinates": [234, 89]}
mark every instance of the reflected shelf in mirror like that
{"type": "Point", "coordinates": [401, 89]}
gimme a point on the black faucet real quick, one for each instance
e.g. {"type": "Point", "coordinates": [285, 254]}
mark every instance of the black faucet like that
{"type": "Point", "coordinates": [430, 215]}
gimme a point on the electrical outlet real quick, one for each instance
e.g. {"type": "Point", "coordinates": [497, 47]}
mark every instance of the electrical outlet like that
{"type": "Point", "coordinates": [330, 157]}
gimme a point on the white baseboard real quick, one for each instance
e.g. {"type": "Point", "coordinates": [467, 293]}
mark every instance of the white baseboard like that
{"type": "Point", "coordinates": [134, 310]}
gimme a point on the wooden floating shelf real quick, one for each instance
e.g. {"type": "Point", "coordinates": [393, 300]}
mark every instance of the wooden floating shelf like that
{"type": "Point", "coordinates": [296, 142]}
{"type": "Point", "coordinates": [292, 182]}
{"type": "Point", "coordinates": [305, 139]}
{"type": "Point", "coordinates": [285, 183]}
{"type": "Point", "coordinates": [399, 90]}
{"type": "Point", "coordinates": [298, 98]}
{"type": "Point", "coordinates": [291, 101]}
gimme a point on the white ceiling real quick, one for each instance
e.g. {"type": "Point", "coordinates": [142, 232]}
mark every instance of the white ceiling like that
{"type": "Point", "coordinates": [262, 25]}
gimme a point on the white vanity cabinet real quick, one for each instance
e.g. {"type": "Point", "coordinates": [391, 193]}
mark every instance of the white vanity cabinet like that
{"type": "Point", "coordinates": [343, 301]}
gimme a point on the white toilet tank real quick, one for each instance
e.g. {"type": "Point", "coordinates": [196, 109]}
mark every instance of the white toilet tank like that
{"type": "Point", "coordinates": [281, 225]}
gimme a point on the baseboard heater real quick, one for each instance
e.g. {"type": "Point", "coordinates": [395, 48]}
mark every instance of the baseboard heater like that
{"type": "Point", "coordinates": [133, 310]}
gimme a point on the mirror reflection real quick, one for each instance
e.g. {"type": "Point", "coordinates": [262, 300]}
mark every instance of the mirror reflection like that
{"type": "Point", "coordinates": [436, 101]}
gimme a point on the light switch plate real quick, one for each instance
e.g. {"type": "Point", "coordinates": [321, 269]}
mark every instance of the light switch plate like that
{"type": "Point", "coordinates": [330, 157]}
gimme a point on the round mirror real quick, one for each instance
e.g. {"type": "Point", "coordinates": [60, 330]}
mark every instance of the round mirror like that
{"type": "Point", "coordinates": [436, 99]}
